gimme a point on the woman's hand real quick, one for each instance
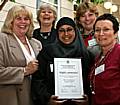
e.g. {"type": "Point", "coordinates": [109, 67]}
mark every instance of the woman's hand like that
{"type": "Point", "coordinates": [83, 101]}
{"type": "Point", "coordinates": [31, 67]}
{"type": "Point", "coordinates": [54, 101]}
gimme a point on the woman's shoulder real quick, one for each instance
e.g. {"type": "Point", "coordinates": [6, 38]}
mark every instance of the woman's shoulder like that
{"type": "Point", "coordinates": [53, 31]}
{"type": "Point", "coordinates": [37, 29]}
{"type": "Point", "coordinates": [4, 37]}
{"type": "Point", "coordinates": [36, 32]}
{"type": "Point", "coordinates": [117, 47]}
{"type": "Point", "coordinates": [36, 42]}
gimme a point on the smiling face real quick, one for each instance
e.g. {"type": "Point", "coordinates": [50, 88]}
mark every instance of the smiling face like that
{"type": "Point", "coordinates": [66, 34]}
{"type": "Point", "coordinates": [87, 20]}
{"type": "Point", "coordinates": [21, 24]}
{"type": "Point", "coordinates": [46, 16]}
{"type": "Point", "coordinates": [104, 33]}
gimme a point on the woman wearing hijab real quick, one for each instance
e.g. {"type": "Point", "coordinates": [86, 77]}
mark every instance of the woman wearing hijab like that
{"type": "Point", "coordinates": [69, 44]}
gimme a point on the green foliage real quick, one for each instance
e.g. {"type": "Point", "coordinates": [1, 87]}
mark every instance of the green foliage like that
{"type": "Point", "coordinates": [94, 1]}
{"type": "Point", "coordinates": [97, 1]}
{"type": "Point", "coordinates": [78, 1]}
{"type": "Point", "coordinates": [12, 0]}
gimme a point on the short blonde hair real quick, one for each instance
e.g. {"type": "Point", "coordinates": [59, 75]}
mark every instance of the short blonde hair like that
{"type": "Point", "coordinates": [12, 14]}
{"type": "Point", "coordinates": [44, 6]}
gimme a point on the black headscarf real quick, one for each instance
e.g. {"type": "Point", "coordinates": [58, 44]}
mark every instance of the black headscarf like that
{"type": "Point", "coordinates": [76, 49]}
{"type": "Point", "coordinates": [65, 21]}
{"type": "Point", "coordinates": [73, 50]}
{"type": "Point", "coordinates": [58, 49]}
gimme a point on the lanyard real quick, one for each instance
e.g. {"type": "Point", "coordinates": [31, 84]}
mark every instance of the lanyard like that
{"type": "Point", "coordinates": [101, 60]}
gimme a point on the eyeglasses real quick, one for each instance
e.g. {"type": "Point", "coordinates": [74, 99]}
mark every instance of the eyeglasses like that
{"type": "Point", "coordinates": [105, 30]}
{"type": "Point", "coordinates": [68, 30]}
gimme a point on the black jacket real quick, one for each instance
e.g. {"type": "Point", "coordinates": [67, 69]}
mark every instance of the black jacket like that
{"type": "Point", "coordinates": [43, 85]}
{"type": "Point", "coordinates": [50, 39]}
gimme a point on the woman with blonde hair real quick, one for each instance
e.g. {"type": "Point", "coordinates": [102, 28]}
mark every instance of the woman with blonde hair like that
{"type": "Point", "coordinates": [18, 51]}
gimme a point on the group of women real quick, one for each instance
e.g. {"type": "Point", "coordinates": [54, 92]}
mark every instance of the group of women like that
{"type": "Point", "coordinates": [26, 61]}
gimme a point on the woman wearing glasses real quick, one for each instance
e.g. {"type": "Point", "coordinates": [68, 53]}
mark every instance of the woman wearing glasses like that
{"type": "Point", "coordinates": [69, 44]}
{"type": "Point", "coordinates": [105, 74]}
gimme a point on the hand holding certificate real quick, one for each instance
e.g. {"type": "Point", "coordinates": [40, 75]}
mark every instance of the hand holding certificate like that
{"type": "Point", "coordinates": [68, 78]}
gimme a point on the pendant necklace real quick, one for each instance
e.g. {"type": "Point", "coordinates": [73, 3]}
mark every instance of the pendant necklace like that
{"type": "Point", "coordinates": [45, 35]}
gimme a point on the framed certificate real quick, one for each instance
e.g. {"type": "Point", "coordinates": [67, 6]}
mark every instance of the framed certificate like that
{"type": "Point", "coordinates": [68, 78]}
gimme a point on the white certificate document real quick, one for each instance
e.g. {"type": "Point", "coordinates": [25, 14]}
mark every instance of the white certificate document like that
{"type": "Point", "coordinates": [68, 78]}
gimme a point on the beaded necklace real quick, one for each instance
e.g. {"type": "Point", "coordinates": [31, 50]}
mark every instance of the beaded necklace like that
{"type": "Point", "coordinates": [45, 35]}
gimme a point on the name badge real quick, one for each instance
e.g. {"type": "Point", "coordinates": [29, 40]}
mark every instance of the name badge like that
{"type": "Point", "coordinates": [99, 69]}
{"type": "Point", "coordinates": [92, 42]}
{"type": "Point", "coordinates": [51, 67]}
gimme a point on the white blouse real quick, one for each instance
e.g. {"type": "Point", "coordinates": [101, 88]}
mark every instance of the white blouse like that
{"type": "Point", "coordinates": [29, 56]}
